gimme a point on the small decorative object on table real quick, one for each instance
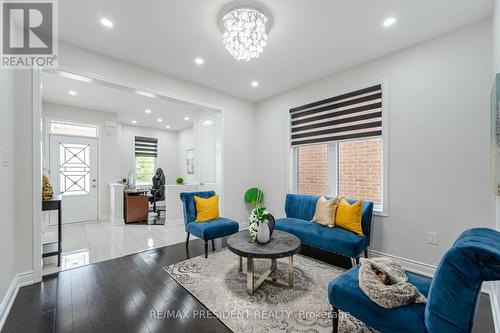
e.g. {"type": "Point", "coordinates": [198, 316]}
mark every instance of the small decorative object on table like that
{"type": "Point", "coordinates": [261, 225]}
{"type": "Point", "coordinates": [179, 180]}
{"type": "Point", "coordinates": [47, 190]}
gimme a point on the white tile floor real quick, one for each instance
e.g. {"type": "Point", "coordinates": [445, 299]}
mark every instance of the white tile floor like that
{"type": "Point", "coordinates": [85, 243]}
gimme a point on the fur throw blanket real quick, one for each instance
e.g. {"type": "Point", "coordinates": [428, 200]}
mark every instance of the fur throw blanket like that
{"type": "Point", "coordinates": [385, 282]}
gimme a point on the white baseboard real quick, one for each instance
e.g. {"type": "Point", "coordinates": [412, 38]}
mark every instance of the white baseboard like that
{"type": "Point", "coordinates": [20, 280]}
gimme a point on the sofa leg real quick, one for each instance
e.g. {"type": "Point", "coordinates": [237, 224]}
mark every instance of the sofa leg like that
{"type": "Point", "coordinates": [206, 249]}
{"type": "Point", "coordinates": [353, 261]}
{"type": "Point", "coordinates": [335, 320]}
{"type": "Point", "coordinates": [187, 239]}
{"type": "Point", "coordinates": [213, 245]}
{"type": "Point", "coordinates": [366, 253]}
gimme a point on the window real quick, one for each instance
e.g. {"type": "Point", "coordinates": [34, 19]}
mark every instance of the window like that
{"type": "Point", "coordinates": [73, 129]}
{"type": "Point", "coordinates": [146, 153]}
{"type": "Point", "coordinates": [338, 146]}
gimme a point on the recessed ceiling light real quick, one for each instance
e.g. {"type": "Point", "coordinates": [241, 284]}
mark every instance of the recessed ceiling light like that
{"type": "Point", "coordinates": [199, 61]}
{"type": "Point", "coordinates": [107, 22]}
{"type": "Point", "coordinates": [148, 111]}
{"type": "Point", "coordinates": [186, 118]}
{"type": "Point", "coordinates": [72, 92]}
{"type": "Point", "coordinates": [134, 121]}
{"type": "Point", "coordinates": [159, 120]}
{"type": "Point", "coordinates": [254, 84]}
{"type": "Point", "coordinates": [389, 21]}
{"type": "Point", "coordinates": [167, 127]}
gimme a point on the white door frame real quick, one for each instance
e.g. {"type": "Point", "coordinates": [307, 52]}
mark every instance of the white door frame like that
{"type": "Point", "coordinates": [37, 141]}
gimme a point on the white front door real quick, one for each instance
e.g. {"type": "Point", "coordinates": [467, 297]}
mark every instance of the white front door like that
{"type": "Point", "coordinates": [73, 173]}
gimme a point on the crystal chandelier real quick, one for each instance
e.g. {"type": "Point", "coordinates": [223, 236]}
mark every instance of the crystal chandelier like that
{"type": "Point", "coordinates": [244, 33]}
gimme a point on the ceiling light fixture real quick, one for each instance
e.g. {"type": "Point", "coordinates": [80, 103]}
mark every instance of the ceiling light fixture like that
{"type": "Point", "coordinates": [107, 22]}
{"type": "Point", "coordinates": [167, 127]}
{"type": "Point", "coordinates": [245, 32]}
{"type": "Point", "coordinates": [148, 111]}
{"type": "Point", "coordinates": [254, 84]}
{"type": "Point", "coordinates": [186, 118]}
{"type": "Point", "coordinates": [389, 21]}
{"type": "Point", "coordinates": [199, 61]}
{"type": "Point", "coordinates": [134, 121]}
{"type": "Point", "coordinates": [72, 93]}
{"type": "Point", "coordinates": [159, 120]}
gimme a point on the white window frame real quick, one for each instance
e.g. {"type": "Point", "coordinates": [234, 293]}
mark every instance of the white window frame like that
{"type": "Point", "coordinates": [55, 121]}
{"type": "Point", "coordinates": [333, 167]}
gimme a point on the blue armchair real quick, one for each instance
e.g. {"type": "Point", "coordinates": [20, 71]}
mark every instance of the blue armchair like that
{"type": "Point", "coordinates": [452, 295]}
{"type": "Point", "coordinates": [209, 230]}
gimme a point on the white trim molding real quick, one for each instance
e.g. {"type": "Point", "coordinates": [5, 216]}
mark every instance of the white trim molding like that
{"type": "Point", "coordinates": [20, 280]}
{"type": "Point", "coordinates": [408, 264]}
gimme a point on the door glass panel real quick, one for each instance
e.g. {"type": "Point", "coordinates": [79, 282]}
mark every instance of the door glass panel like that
{"type": "Point", "coordinates": [74, 168]}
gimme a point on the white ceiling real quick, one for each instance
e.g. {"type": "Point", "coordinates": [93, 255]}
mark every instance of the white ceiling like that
{"type": "Point", "coordinates": [310, 39]}
{"type": "Point", "coordinates": [126, 104]}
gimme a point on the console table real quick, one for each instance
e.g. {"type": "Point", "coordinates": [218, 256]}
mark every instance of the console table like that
{"type": "Point", "coordinates": [54, 248]}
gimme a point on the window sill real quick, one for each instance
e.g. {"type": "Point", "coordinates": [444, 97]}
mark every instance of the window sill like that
{"type": "Point", "coordinates": [380, 213]}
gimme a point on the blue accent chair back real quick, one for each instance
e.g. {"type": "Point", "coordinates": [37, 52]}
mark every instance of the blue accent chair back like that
{"type": "Point", "coordinates": [301, 206]}
{"type": "Point", "coordinates": [208, 230]}
{"type": "Point", "coordinates": [456, 286]}
{"type": "Point", "coordinates": [190, 206]}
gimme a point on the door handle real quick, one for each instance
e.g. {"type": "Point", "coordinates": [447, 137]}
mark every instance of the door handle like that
{"type": "Point", "coordinates": [94, 186]}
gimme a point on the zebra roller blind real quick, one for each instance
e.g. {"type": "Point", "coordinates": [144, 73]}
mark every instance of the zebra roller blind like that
{"type": "Point", "coordinates": [357, 114]}
{"type": "Point", "coordinates": [146, 146]}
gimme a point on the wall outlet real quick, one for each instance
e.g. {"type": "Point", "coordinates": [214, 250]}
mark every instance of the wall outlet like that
{"type": "Point", "coordinates": [433, 238]}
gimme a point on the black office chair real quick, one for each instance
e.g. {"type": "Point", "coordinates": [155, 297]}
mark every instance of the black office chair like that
{"type": "Point", "coordinates": [158, 190]}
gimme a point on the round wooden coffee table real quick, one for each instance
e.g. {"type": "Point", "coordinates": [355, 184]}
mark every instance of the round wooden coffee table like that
{"type": "Point", "coordinates": [281, 245]}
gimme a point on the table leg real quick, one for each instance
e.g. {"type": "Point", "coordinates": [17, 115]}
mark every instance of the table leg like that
{"type": "Point", "coordinates": [250, 281]}
{"type": "Point", "coordinates": [273, 269]}
{"type": "Point", "coordinates": [240, 264]}
{"type": "Point", "coordinates": [290, 272]}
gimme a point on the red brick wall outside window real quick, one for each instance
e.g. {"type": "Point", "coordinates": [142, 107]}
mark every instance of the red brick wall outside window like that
{"type": "Point", "coordinates": [313, 169]}
{"type": "Point", "coordinates": [359, 169]}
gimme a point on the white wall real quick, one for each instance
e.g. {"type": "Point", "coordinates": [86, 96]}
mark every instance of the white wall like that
{"type": "Point", "coordinates": [496, 36]}
{"type": "Point", "coordinates": [167, 149]}
{"type": "Point", "coordinates": [239, 116]}
{"type": "Point", "coordinates": [438, 109]}
{"type": "Point", "coordinates": [16, 181]}
{"type": "Point", "coordinates": [185, 141]}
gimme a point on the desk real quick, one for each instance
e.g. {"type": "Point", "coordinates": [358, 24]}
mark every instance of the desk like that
{"type": "Point", "coordinates": [54, 248]}
{"type": "Point", "coordinates": [135, 204]}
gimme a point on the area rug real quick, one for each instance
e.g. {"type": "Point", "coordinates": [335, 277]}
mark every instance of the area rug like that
{"type": "Point", "coordinates": [216, 283]}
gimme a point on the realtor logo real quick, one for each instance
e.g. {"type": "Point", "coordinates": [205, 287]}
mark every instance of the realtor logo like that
{"type": "Point", "coordinates": [29, 34]}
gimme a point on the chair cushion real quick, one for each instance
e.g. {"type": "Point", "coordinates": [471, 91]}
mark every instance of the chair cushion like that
{"type": "Point", "coordinates": [330, 239]}
{"type": "Point", "coordinates": [344, 294]}
{"type": "Point", "coordinates": [217, 228]}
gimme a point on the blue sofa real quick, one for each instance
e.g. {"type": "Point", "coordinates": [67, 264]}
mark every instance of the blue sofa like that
{"type": "Point", "coordinates": [300, 210]}
{"type": "Point", "coordinates": [452, 295]}
{"type": "Point", "coordinates": [208, 230]}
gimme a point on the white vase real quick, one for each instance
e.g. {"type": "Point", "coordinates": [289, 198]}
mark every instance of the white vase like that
{"type": "Point", "coordinates": [263, 233]}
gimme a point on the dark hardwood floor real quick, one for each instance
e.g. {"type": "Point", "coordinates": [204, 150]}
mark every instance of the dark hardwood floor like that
{"type": "Point", "coordinates": [119, 295]}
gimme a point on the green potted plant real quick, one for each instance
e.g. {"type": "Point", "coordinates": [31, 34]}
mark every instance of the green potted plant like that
{"type": "Point", "coordinates": [259, 219]}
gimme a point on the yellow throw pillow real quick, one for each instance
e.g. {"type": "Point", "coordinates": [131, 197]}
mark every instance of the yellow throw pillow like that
{"type": "Point", "coordinates": [349, 216]}
{"type": "Point", "coordinates": [325, 211]}
{"type": "Point", "coordinates": [206, 209]}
